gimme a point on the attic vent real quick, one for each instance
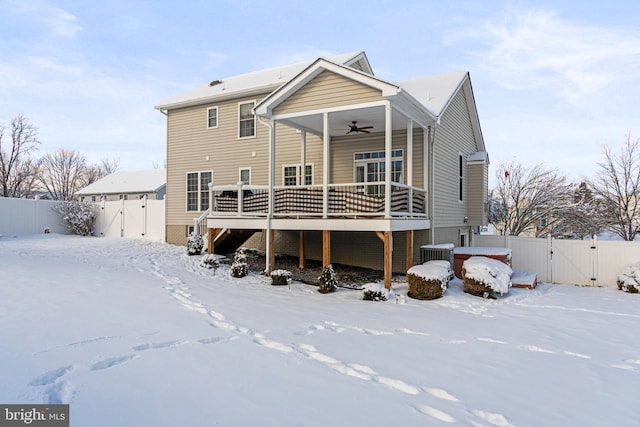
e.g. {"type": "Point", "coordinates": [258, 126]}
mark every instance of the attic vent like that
{"type": "Point", "coordinates": [215, 82]}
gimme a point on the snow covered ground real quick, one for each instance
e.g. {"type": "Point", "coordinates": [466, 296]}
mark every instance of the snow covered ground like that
{"type": "Point", "coordinates": [135, 333]}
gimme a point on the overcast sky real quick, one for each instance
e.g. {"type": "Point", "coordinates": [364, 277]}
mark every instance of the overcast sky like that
{"type": "Point", "coordinates": [553, 80]}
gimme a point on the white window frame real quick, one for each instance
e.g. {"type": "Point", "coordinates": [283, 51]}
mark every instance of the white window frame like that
{"type": "Point", "coordinates": [298, 177]}
{"type": "Point", "coordinates": [460, 177]}
{"type": "Point", "coordinates": [361, 158]}
{"type": "Point", "coordinates": [209, 118]}
{"type": "Point", "coordinates": [255, 131]}
{"type": "Point", "coordinates": [240, 170]}
{"type": "Point", "coordinates": [199, 191]}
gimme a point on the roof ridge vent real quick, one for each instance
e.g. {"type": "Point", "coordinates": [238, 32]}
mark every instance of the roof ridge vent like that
{"type": "Point", "coordinates": [215, 82]}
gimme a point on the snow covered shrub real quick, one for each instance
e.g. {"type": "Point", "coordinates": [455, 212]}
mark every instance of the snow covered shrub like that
{"type": "Point", "coordinates": [195, 243]}
{"type": "Point", "coordinates": [327, 281]}
{"type": "Point", "coordinates": [239, 266]}
{"type": "Point", "coordinates": [629, 278]}
{"type": "Point", "coordinates": [482, 276]}
{"type": "Point", "coordinates": [79, 217]}
{"type": "Point", "coordinates": [374, 292]}
{"type": "Point", "coordinates": [281, 277]}
{"type": "Point", "coordinates": [209, 261]}
{"type": "Point", "coordinates": [429, 280]}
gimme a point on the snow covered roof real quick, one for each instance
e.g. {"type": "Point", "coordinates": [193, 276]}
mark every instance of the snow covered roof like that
{"type": "Point", "coordinates": [146, 181]}
{"type": "Point", "coordinates": [435, 92]}
{"type": "Point", "coordinates": [253, 83]}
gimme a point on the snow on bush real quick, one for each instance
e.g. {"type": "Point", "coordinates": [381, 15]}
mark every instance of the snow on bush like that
{"type": "Point", "coordinates": [195, 243]}
{"type": "Point", "coordinates": [239, 266]}
{"type": "Point", "coordinates": [79, 217]}
{"type": "Point", "coordinates": [209, 261]}
{"type": "Point", "coordinates": [375, 292]}
{"type": "Point", "coordinates": [327, 281]}
{"type": "Point", "coordinates": [629, 278]}
{"type": "Point", "coordinates": [281, 277]}
{"type": "Point", "coordinates": [429, 280]}
{"type": "Point", "coordinates": [489, 272]}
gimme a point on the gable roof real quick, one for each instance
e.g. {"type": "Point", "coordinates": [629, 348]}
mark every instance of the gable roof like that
{"type": "Point", "coordinates": [254, 83]}
{"type": "Point", "coordinates": [147, 181]}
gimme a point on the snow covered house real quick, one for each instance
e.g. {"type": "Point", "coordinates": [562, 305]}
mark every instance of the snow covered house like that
{"type": "Point", "coordinates": [327, 161]}
{"type": "Point", "coordinates": [127, 185]}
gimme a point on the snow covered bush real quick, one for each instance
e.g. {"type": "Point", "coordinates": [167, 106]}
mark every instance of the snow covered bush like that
{"type": "Point", "coordinates": [482, 276]}
{"type": "Point", "coordinates": [327, 281]}
{"type": "Point", "coordinates": [281, 277]}
{"type": "Point", "coordinates": [79, 217]}
{"type": "Point", "coordinates": [429, 280]}
{"type": "Point", "coordinates": [629, 278]}
{"type": "Point", "coordinates": [239, 266]}
{"type": "Point", "coordinates": [374, 292]}
{"type": "Point", "coordinates": [209, 261]}
{"type": "Point", "coordinates": [195, 243]}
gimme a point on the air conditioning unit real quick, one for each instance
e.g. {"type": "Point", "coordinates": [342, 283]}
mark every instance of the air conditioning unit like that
{"type": "Point", "coordinates": [442, 252]}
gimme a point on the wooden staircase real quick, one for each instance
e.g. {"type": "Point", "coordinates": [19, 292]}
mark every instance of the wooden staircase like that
{"type": "Point", "coordinates": [227, 240]}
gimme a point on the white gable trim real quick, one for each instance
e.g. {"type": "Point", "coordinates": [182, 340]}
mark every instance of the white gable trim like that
{"type": "Point", "coordinates": [266, 106]}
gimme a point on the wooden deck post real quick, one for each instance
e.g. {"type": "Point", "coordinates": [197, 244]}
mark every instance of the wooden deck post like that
{"type": "Point", "coordinates": [271, 254]}
{"type": "Point", "coordinates": [326, 247]}
{"type": "Point", "coordinates": [386, 238]}
{"type": "Point", "coordinates": [212, 235]}
{"type": "Point", "coordinates": [301, 254]}
{"type": "Point", "coordinates": [409, 254]}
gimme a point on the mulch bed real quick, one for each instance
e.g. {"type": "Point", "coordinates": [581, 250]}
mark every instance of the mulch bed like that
{"type": "Point", "coordinates": [348, 276]}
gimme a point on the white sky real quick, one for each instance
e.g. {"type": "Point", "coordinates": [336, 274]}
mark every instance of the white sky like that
{"type": "Point", "coordinates": [553, 80]}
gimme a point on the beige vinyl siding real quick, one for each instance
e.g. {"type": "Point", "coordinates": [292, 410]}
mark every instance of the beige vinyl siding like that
{"type": "Point", "coordinates": [328, 90]}
{"type": "Point", "coordinates": [477, 193]}
{"type": "Point", "coordinates": [343, 148]}
{"type": "Point", "coordinates": [454, 136]}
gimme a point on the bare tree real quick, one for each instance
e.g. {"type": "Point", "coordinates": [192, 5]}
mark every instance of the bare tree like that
{"type": "Point", "coordinates": [617, 188]}
{"type": "Point", "coordinates": [62, 173]}
{"type": "Point", "coordinates": [104, 168]}
{"type": "Point", "coordinates": [528, 200]}
{"type": "Point", "coordinates": [580, 218]}
{"type": "Point", "coordinates": [16, 167]}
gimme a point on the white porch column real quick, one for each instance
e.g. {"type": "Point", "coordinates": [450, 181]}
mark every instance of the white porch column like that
{"type": "Point", "coordinates": [270, 207]}
{"type": "Point", "coordinates": [409, 180]}
{"type": "Point", "coordinates": [326, 140]}
{"type": "Point", "coordinates": [303, 156]}
{"type": "Point", "coordinates": [388, 145]}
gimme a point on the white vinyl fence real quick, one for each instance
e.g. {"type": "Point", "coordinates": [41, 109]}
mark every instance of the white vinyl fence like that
{"type": "Point", "coordinates": [29, 216]}
{"type": "Point", "coordinates": [582, 262]}
{"type": "Point", "coordinates": [140, 218]}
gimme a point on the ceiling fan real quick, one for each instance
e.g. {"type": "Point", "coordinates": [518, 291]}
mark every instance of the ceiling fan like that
{"type": "Point", "coordinates": [353, 127]}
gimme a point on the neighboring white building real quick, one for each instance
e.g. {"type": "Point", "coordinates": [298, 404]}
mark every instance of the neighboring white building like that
{"type": "Point", "coordinates": [127, 185]}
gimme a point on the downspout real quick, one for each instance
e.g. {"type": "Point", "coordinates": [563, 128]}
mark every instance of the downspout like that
{"type": "Point", "coordinates": [432, 203]}
{"type": "Point", "coordinates": [270, 125]}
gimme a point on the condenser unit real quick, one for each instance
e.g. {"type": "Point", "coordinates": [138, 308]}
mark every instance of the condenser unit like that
{"type": "Point", "coordinates": [442, 252]}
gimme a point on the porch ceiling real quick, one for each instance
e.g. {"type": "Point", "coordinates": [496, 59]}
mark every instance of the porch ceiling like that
{"type": "Point", "coordinates": [339, 121]}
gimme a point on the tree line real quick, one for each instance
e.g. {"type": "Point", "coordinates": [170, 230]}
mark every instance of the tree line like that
{"type": "Point", "coordinates": [537, 201]}
{"type": "Point", "coordinates": [57, 175]}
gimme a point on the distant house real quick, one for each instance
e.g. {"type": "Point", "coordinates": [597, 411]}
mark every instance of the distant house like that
{"type": "Point", "coordinates": [127, 185]}
{"type": "Point", "coordinates": [326, 161]}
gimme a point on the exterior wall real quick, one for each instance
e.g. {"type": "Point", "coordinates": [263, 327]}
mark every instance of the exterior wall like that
{"type": "Point", "coordinates": [454, 136]}
{"type": "Point", "coordinates": [328, 90]}
{"type": "Point", "coordinates": [344, 146]}
{"type": "Point", "coordinates": [130, 196]}
{"type": "Point", "coordinates": [477, 193]}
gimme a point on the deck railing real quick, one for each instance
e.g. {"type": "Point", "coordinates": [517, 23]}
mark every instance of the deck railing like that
{"type": "Point", "coordinates": [340, 200]}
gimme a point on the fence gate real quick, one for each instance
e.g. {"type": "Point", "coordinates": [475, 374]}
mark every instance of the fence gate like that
{"type": "Point", "coordinates": [574, 261]}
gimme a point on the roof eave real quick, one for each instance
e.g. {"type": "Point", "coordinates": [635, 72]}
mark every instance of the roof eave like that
{"type": "Point", "coordinates": [259, 90]}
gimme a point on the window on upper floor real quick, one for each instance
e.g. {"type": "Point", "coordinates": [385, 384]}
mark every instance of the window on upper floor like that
{"type": "Point", "coordinates": [460, 177]}
{"type": "Point", "coordinates": [212, 117]}
{"type": "Point", "coordinates": [247, 121]}
{"type": "Point", "coordinates": [198, 190]}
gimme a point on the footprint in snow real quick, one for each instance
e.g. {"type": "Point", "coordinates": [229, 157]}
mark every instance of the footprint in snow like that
{"type": "Point", "coordinates": [155, 345]}
{"type": "Point", "coordinates": [111, 362]}
{"type": "Point", "coordinates": [60, 393]}
{"type": "Point", "coordinates": [494, 419]}
{"type": "Point", "coordinates": [536, 349]}
{"type": "Point", "coordinates": [435, 413]}
{"type": "Point", "coordinates": [52, 376]}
